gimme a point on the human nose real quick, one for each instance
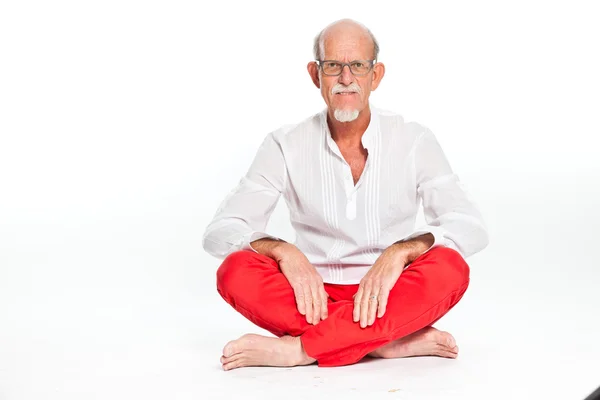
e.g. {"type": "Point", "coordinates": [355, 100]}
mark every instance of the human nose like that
{"type": "Point", "coordinates": [346, 77]}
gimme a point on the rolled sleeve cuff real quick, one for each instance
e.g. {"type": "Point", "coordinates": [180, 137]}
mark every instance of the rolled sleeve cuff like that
{"type": "Point", "coordinates": [252, 236]}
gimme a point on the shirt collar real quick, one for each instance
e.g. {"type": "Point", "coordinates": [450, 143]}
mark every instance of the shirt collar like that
{"type": "Point", "coordinates": [368, 138]}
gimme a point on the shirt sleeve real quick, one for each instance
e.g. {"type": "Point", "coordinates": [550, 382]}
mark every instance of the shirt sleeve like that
{"type": "Point", "coordinates": [451, 215]}
{"type": "Point", "coordinates": [243, 215]}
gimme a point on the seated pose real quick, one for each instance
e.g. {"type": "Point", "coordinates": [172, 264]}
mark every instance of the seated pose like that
{"type": "Point", "coordinates": [359, 279]}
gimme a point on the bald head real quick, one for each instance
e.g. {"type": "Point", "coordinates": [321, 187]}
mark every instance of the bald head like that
{"type": "Point", "coordinates": [346, 30]}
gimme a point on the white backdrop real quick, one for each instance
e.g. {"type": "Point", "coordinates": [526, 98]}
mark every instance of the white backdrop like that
{"type": "Point", "coordinates": [123, 124]}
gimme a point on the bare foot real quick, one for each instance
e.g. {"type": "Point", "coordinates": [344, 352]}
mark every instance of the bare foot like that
{"type": "Point", "coordinates": [256, 350]}
{"type": "Point", "coordinates": [425, 342]}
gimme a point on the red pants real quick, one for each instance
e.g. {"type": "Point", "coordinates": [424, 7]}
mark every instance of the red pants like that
{"type": "Point", "coordinates": [426, 290]}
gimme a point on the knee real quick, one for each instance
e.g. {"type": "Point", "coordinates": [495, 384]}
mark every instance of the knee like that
{"type": "Point", "coordinates": [456, 268]}
{"type": "Point", "coordinates": [232, 268]}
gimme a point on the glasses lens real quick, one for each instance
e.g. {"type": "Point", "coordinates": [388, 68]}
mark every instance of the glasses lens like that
{"type": "Point", "coordinates": [332, 68]}
{"type": "Point", "coordinates": [360, 67]}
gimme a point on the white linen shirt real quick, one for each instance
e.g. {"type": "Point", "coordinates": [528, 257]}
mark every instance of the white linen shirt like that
{"type": "Point", "coordinates": [342, 228]}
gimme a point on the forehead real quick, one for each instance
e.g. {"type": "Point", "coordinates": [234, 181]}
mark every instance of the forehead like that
{"type": "Point", "coordinates": [347, 47]}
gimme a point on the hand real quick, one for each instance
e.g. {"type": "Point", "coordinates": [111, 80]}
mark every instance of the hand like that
{"type": "Point", "coordinates": [372, 295]}
{"type": "Point", "coordinates": [309, 291]}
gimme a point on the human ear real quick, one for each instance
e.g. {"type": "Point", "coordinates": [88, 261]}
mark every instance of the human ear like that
{"type": "Point", "coordinates": [378, 73]}
{"type": "Point", "coordinates": [313, 71]}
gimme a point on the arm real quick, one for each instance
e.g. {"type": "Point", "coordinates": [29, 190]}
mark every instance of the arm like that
{"type": "Point", "coordinates": [243, 215]}
{"type": "Point", "coordinates": [413, 248]}
{"type": "Point", "coordinates": [271, 247]}
{"type": "Point", "coordinates": [452, 218]}
{"type": "Point", "coordinates": [240, 221]}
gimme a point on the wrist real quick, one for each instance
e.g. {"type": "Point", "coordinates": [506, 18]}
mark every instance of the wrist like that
{"type": "Point", "coordinates": [267, 246]}
{"type": "Point", "coordinates": [281, 249]}
{"type": "Point", "coordinates": [400, 253]}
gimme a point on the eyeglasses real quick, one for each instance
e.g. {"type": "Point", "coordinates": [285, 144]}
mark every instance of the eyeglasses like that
{"type": "Point", "coordinates": [357, 67]}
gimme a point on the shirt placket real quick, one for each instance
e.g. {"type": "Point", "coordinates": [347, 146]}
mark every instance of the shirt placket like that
{"type": "Point", "coordinates": [350, 190]}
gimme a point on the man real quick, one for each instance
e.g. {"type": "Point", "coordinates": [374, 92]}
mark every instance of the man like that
{"type": "Point", "coordinates": [359, 279]}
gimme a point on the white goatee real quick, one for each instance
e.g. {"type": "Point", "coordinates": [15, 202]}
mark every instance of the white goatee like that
{"type": "Point", "coordinates": [345, 115]}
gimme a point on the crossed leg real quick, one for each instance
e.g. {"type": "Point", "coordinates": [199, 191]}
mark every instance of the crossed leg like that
{"type": "Point", "coordinates": [426, 290]}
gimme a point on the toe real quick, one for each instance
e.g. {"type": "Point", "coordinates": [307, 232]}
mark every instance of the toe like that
{"type": "Point", "coordinates": [233, 365]}
{"type": "Point", "coordinates": [449, 340]}
{"type": "Point", "coordinates": [227, 360]}
{"type": "Point", "coordinates": [229, 349]}
{"type": "Point", "coordinates": [446, 353]}
{"type": "Point", "coordinates": [443, 348]}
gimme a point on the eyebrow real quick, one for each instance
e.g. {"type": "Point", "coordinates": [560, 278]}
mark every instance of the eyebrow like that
{"type": "Point", "coordinates": [356, 59]}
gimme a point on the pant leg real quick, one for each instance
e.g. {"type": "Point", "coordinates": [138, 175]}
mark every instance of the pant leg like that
{"type": "Point", "coordinates": [426, 290]}
{"type": "Point", "coordinates": [253, 284]}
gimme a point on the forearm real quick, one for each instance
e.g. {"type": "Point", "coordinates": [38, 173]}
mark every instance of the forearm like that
{"type": "Point", "coordinates": [272, 248]}
{"type": "Point", "coordinates": [413, 248]}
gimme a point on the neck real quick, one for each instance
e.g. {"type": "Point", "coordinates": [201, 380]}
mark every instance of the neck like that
{"type": "Point", "coordinates": [349, 133]}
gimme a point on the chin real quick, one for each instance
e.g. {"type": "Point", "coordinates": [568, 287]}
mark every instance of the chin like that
{"type": "Point", "coordinates": [346, 115]}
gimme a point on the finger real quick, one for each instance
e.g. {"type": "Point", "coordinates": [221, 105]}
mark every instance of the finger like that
{"type": "Point", "coordinates": [316, 303]}
{"type": "Point", "coordinates": [324, 310]}
{"type": "Point", "coordinates": [308, 303]}
{"type": "Point", "coordinates": [364, 307]}
{"type": "Point", "coordinates": [357, 299]}
{"type": "Point", "coordinates": [383, 300]}
{"type": "Point", "coordinates": [372, 308]}
{"type": "Point", "coordinates": [299, 294]}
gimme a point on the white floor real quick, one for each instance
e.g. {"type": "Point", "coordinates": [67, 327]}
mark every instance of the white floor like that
{"type": "Point", "coordinates": [133, 313]}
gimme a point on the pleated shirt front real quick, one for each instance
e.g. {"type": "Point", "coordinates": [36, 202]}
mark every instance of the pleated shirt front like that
{"type": "Point", "coordinates": [342, 228]}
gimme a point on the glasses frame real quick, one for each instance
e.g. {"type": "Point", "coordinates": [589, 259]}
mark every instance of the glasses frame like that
{"type": "Point", "coordinates": [371, 64]}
